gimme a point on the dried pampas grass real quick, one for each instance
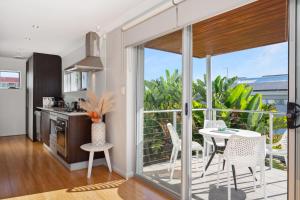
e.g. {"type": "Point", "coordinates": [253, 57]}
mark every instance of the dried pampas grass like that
{"type": "Point", "coordinates": [95, 107]}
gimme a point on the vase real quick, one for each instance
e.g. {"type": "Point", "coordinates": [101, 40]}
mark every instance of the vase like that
{"type": "Point", "coordinates": [98, 134]}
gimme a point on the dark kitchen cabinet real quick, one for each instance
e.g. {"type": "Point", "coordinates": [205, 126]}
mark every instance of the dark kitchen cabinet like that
{"type": "Point", "coordinates": [44, 79]}
{"type": "Point", "coordinates": [45, 127]}
{"type": "Point", "coordinates": [79, 133]}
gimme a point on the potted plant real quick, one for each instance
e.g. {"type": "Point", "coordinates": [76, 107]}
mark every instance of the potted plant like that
{"type": "Point", "coordinates": [96, 108]}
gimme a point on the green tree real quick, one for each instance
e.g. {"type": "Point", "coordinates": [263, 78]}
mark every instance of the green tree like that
{"type": "Point", "coordinates": [165, 93]}
{"type": "Point", "coordinates": [161, 94]}
{"type": "Point", "coordinates": [227, 94]}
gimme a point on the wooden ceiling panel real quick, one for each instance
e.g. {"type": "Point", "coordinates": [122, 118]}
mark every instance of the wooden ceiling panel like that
{"type": "Point", "coordinates": [171, 42]}
{"type": "Point", "coordinates": [257, 24]}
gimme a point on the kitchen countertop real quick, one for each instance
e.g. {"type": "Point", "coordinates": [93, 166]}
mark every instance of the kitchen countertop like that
{"type": "Point", "coordinates": [63, 112]}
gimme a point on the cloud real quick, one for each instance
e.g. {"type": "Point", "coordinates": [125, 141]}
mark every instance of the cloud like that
{"type": "Point", "coordinates": [270, 55]}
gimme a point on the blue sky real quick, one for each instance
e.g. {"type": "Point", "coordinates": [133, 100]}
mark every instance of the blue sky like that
{"type": "Point", "coordinates": [256, 62]}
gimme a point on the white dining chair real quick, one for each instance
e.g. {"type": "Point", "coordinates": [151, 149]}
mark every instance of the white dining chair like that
{"type": "Point", "coordinates": [207, 141]}
{"type": "Point", "coordinates": [283, 142]}
{"type": "Point", "coordinates": [244, 152]}
{"type": "Point", "coordinates": [176, 141]}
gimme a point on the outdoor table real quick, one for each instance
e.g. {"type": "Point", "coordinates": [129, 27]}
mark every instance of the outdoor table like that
{"type": "Point", "coordinates": [214, 133]}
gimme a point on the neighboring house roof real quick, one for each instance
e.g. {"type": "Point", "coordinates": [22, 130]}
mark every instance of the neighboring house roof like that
{"type": "Point", "coordinates": [267, 83]}
{"type": "Point", "coordinates": [9, 80]}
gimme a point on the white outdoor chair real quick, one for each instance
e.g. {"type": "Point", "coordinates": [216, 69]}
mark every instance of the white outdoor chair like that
{"type": "Point", "coordinates": [207, 141]}
{"type": "Point", "coordinates": [245, 152]}
{"type": "Point", "coordinates": [176, 141]}
{"type": "Point", "coordinates": [283, 142]}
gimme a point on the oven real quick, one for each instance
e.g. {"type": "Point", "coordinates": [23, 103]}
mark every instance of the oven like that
{"type": "Point", "coordinates": [61, 128]}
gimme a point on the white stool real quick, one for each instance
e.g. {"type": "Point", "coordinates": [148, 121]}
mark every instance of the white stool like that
{"type": "Point", "coordinates": [93, 148]}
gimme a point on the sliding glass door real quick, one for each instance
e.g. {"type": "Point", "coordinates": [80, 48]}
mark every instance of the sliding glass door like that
{"type": "Point", "coordinates": [159, 149]}
{"type": "Point", "coordinates": [240, 87]}
{"type": "Point", "coordinates": [227, 75]}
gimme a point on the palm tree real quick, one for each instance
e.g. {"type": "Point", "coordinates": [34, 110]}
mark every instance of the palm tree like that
{"type": "Point", "coordinates": [165, 93]}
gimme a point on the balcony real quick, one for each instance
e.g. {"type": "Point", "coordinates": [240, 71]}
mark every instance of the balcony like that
{"type": "Point", "coordinates": [157, 149]}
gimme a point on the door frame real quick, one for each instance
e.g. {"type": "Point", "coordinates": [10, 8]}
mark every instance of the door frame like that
{"type": "Point", "coordinates": [187, 74]}
{"type": "Point", "coordinates": [187, 120]}
{"type": "Point", "coordinates": [292, 42]}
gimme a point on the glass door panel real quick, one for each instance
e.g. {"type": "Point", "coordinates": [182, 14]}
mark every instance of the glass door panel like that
{"type": "Point", "coordinates": [240, 84]}
{"type": "Point", "coordinates": [159, 115]}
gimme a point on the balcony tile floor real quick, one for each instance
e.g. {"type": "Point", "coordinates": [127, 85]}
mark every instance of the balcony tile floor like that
{"type": "Point", "coordinates": [205, 188]}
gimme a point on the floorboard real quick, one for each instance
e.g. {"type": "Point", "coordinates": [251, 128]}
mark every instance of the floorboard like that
{"type": "Point", "coordinates": [28, 171]}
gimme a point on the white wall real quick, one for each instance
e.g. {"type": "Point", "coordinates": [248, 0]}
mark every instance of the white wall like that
{"type": "Point", "coordinates": [115, 121]}
{"type": "Point", "coordinates": [112, 79]}
{"type": "Point", "coordinates": [13, 102]}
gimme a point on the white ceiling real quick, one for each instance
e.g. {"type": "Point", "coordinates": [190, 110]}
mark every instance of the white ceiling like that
{"type": "Point", "coordinates": [62, 23]}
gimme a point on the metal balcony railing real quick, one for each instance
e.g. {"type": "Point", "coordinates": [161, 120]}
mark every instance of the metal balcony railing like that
{"type": "Point", "coordinates": [158, 145]}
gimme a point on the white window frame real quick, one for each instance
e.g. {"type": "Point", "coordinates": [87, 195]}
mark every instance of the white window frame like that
{"type": "Point", "coordinates": [78, 85]}
{"type": "Point", "coordinates": [20, 79]}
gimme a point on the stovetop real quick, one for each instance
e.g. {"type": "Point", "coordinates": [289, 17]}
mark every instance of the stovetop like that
{"type": "Point", "coordinates": [59, 109]}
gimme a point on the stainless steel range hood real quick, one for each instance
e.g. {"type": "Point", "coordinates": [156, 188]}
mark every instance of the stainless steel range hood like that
{"type": "Point", "coordinates": [92, 61]}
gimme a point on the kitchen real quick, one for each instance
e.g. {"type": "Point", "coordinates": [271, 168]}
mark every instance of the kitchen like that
{"type": "Point", "coordinates": [47, 71]}
{"type": "Point", "coordinates": [39, 145]}
{"type": "Point", "coordinates": [55, 117]}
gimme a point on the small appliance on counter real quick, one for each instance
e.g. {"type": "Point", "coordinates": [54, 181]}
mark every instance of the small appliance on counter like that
{"type": "Point", "coordinates": [48, 102]}
{"type": "Point", "coordinates": [59, 102]}
{"type": "Point", "coordinates": [75, 106]}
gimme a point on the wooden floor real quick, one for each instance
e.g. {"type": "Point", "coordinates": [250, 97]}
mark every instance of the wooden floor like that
{"type": "Point", "coordinates": [28, 171]}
